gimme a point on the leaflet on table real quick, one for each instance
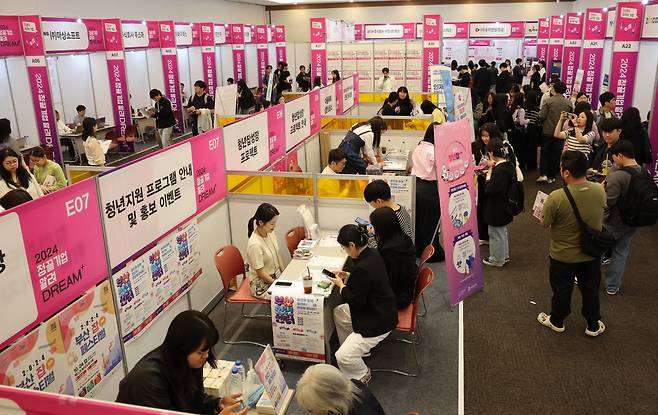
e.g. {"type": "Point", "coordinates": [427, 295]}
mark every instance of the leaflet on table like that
{"type": "Point", "coordinates": [298, 325]}
{"type": "Point", "coordinates": [146, 286]}
{"type": "Point", "coordinates": [70, 354]}
{"type": "Point", "coordinates": [46, 264]}
{"type": "Point", "coordinates": [328, 262]}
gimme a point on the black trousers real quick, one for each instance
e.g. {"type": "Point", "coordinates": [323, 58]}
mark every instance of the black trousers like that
{"type": "Point", "coordinates": [428, 212]}
{"type": "Point", "coordinates": [562, 276]}
{"type": "Point", "coordinates": [483, 227]}
{"type": "Point", "coordinates": [551, 151]}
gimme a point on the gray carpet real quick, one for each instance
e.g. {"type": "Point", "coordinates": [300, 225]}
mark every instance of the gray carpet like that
{"type": "Point", "coordinates": [515, 366]}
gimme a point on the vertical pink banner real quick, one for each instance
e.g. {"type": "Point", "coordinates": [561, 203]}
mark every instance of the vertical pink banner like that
{"type": "Point", "coordinates": [431, 46]}
{"type": "Point", "coordinates": [314, 103]}
{"type": "Point", "coordinates": [339, 97]}
{"type": "Point", "coordinates": [261, 52]}
{"type": "Point", "coordinates": [207, 39]}
{"type": "Point", "coordinates": [572, 44]}
{"type": "Point", "coordinates": [276, 128]}
{"type": "Point", "coordinates": [628, 31]}
{"type": "Point", "coordinates": [358, 31]}
{"type": "Point", "coordinates": [10, 36]}
{"type": "Point", "coordinates": [592, 60]}
{"type": "Point", "coordinates": [319, 48]}
{"type": "Point", "coordinates": [237, 37]}
{"type": "Point", "coordinates": [170, 70]}
{"type": "Point", "coordinates": [355, 77]}
{"type": "Point", "coordinates": [653, 134]}
{"type": "Point", "coordinates": [280, 39]}
{"type": "Point", "coordinates": [543, 34]}
{"type": "Point", "coordinates": [116, 70]}
{"type": "Point", "coordinates": [556, 42]}
{"type": "Point", "coordinates": [209, 169]}
{"type": "Point", "coordinates": [37, 73]}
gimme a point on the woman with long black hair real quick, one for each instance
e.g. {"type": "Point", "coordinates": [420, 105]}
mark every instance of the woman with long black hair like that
{"type": "Point", "coordinates": [14, 175]}
{"type": "Point", "coordinates": [171, 376]}
{"type": "Point", "coordinates": [265, 263]}
{"type": "Point", "coordinates": [404, 106]}
{"type": "Point", "coordinates": [361, 142]}
{"type": "Point", "coordinates": [633, 131]}
{"type": "Point", "coordinates": [246, 100]}
{"type": "Point", "coordinates": [388, 108]}
{"type": "Point", "coordinates": [93, 150]}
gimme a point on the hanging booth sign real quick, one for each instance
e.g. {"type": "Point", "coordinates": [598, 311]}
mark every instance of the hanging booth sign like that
{"type": "Point", "coordinates": [72, 35]}
{"type": "Point", "coordinates": [170, 70]}
{"type": "Point", "coordinates": [280, 39]}
{"type": "Point", "coordinates": [650, 26]}
{"type": "Point", "coordinates": [389, 31]}
{"type": "Point", "coordinates": [625, 53]}
{"type": "Point", "coordinates": [543, 35]}
{"type": "Point", "coordinates": [261, 52]}
{"type": "Point", "coordinates": [610, 27]}
{"type": "Point", "coordinates": [187, 34]}
{"type": "Point", "coordinates": [556, 42]}
{"type": "Point", "coordinates": [318, 49]}
{"type": "Point", "coordinates": [221, 36]}
{"type": "Point", "coordinates": [455, 30]}
{"type": "Point", "coordinates": [358, 31]}
{"type": "Point", "coordinates": [298, 121]}
{"type": "Point", "coordinates": [496, 29]}
{"type": "Point", "coordinates": [531, 29]}
{"type": "Point", "coordinates": [140, 34]}
{"type": "Point", "coordinates": [207, 39]}
{"type": "Point", "coordinates": [572, 45]}
{"type": "Point", "coordinates": [10, 36]}
{"type": "Point", "coordinates": [237, 38]}
{"type": "Point", "coordinates": [116, 70]}
{"type": "Point", "coordinates": [592, 60]}
{"type": "Point", "coordinates": [431, 47]}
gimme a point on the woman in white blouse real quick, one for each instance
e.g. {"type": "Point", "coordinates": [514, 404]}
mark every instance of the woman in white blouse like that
{"type": "Point", "coordinates": [93, 149]}
{"type": "Point", "coordinates": [265, 263]}
{"type": "Point", "coordinates": [361, 143]}
{"type": "Point", "coordinates": [14, 175]}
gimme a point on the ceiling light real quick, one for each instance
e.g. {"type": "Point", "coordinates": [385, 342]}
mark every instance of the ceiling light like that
{"type": "Point", "coordinates": [191, 24]}
{"type": "Point", "coordinates": [580, 13]}
{"type": "Point", "coordinates": [79, 20]}
{"type": "Point", "coordinates": [605, 9]}
{"type": "Point", "coordinates": [143, 21]}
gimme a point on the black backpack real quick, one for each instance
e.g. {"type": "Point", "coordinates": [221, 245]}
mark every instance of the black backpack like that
{"type": "Point", "coordinates": [516, 197]}
{"type": "Point", "coordinates": [639, 205]}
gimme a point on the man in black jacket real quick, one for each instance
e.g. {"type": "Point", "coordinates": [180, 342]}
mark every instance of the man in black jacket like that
{"type": "Point", "coordinates": [303, 79]}
{"type": "Point", "coordinates": [197, 102]}
{"type": "Point", "coordinates": [505, 81]}
{"type": "Point", "coordinates": [482, 80]}
{"type": "Point", "coordinates": [517, 72]}
{"type": "Point", "coordinates": [164, 116]}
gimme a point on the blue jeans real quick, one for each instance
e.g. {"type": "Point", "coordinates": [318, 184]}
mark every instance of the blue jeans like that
{"type": "Point", "coordinates": [619, 253]}
{"type": "Point", "coordinates": [498, 244]}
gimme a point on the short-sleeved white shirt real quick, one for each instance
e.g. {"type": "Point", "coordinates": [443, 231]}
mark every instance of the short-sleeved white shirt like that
{"type": "Point", "coordinates": [263, 253]}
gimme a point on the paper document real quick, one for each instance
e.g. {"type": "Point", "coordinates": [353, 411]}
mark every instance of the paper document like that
{"type": "Point", "coordinates": [538, 206]}
{"type": "Point", "coordinates": [328, 262]}
{"type": "Point", "coordinates": [105, 145]}
{"type": "Point", "coordinates": [49, 180]}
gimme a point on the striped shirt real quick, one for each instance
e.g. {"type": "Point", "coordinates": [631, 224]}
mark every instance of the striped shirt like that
{"type": "Point", "coordinates": [405, 220]}
{"type": "Point", "coordinates": [574, 145]}
{"type": "Point", "coordinates": [532, 116]}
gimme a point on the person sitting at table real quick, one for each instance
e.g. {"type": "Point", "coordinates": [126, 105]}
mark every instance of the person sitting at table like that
{"type": "Point", "coordinates": [14, 198]}
{"type": "Point", "coordinates": [81, 111]}
{"type": "Point", "coordinates": [337, 160]}
{"type": "Point", "coordinates": [171, 376]}
{"type": "Point", "coordinates": [378, 194]}
{"type": "Point", "coordinates": [14, 175]}
{"type": "Point", "coordinates": [6, 140]}
{"type": "Point", "coordinates": [405, 105]}
{"type": "Point", "coordinates": [63, 129]}
{"type": "Point", "coordinates": [369, 312]}
{"type": "Point", "coordinates": [429, 108]}
{"type": "Point", "coordinates": [197, 102]}
{"type": "Point", "coordinates": [388, 108]}
{"type": "Point", "coordinates": [399, 254]}
{"type": "Point", "coordinates": [265, 263]}
{"type": "Point", "coordinates": [323, 389]}
{"type": "Point", "coordinates": [49, 174]}
{"type": "Point", "coordinates": [164, 116]}
{"type": "Point", "coordinates": [93, 149]}
{"type": "Point", "coordinates": [360, 143]}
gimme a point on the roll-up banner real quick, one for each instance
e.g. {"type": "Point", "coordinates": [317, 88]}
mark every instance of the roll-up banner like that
{"type": "Point", "coordinates": [116, 70]}
{"type": "Point", "coordinates": [319, 48]}
{"type": "Point", "coordinates": [37, 72]}
{"type": "Point", "coordinates": [207, 32]}
{"type": "Point", "coordinates": [140, 34]}
{"type": "Point", "coordinates": [556, 41]}
{"type": "Point", "coordinates": [170, 69]}
{"type": "Point", "coordinates": [628, 31]}
{"type": "Point", "coordinates": [431, 46]}
{"type": "Point", "coordinates": [237, 38]}
{"type": "Point", "coordinates": [280, 39]}
{"type": "Point", "coordinates": [592, 60]}
{"type": "Point", "coordinates": [543, 34]}
{"type": "Point", "coordinates": [572, 44]}
{"type": "Point", "coordinates": [261, 52]}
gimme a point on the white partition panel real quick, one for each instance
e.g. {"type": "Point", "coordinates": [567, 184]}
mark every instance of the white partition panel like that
{"type": "Point", "coordinates": [7, 104]}
{"type": "Point", "coordinates": [335, 59]}
{"type": "Point", "coordinates": [75, 82]}
{"type": "Point", "coordinates": [214, 232]}
{"type": "Point", "coordinates": [195, 64]}
{"type": "Point", "coordinates": [24, 111]}
{"type": "Point", "coordinates": [312, 150]}
{"type": "Point", "coordinates": [251, 65]}
{"type": "Point", "coordinates": [301, 159]}
{"type": "Point", "coordinates": [101, 83]}
{"type": "Point", "coordinates": [302, 55]}
{"type": "Point", "coordinates": [606, 66]}
{"type": "Point", "coordinates": [138, 78]}
{"type": "Point", "coordinates": [156, 75]}
{"type": "Point", "coordinates": [334, 213]}
{"type": "Point", "coordinates": [55, 89]}
{"type": "Point", "coordinates": [271, 54]}
{"type": "Point", "coordinates": [645, 79]}
{"type": "Point", "coordinates": [226, 63]}
{"type": "Point", "coordinates": [184, 70]}
{"type": "Point", "coordinates": [456, 49]}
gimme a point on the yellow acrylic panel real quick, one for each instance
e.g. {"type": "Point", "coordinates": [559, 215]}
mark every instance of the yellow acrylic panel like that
{"type": "Point", "coordinates": [272, 185]}
{"type": "Point", "coordinates": [337, 188]}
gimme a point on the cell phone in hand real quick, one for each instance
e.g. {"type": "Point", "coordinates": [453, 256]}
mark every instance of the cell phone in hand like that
{"type": "Point", "coordinates": [361, 221]}
{"type": "Point", "coordinates": [328, 273]}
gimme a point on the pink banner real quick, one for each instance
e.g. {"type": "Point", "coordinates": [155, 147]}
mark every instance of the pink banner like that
{"type": "Point", "coordinates": [37, 73]}
{"type": "Point", "coordinates": [209, 169]}
{"type": "Point", "coordinates": [207, 31]}
{"type": "Point", "coordinates": [556, 42]}
{"type": "Point", "coordinates": [319, 49]}
{"type": "Point", "coordinates": [10, 36]}
{"type": "Point", "coordinates": [592, 60]}
{"type": "Point", "coordinates": [389, 31]}
{"type": "Point", "coordinates": [280, 39]}
{"type": "Point", "coordinates": [653, 133]}
{"type": "Point", "coordinates": [314, 103]}
{"type": "Point", "coordinates": [261, 52]}
{"type": "Point", "coordinates": [140, 34]}
{"type": "Point", "coordinates": [276, 128]}
{"type": "Point", "coordinates": [62, 35]}
{"type": "Point", "coordinates": [237, 37]}
{"type": "Point", "coordinates": [116, 70]}
{"type": "Point", "coordinates": [572, 45]}
{"type": "Point", "coordinates": [170, 69]}
{"type": "Point", "coordinates": [356, 89]}
{"type": "Point", "coordinates": [452, 147]}
{"type": "Point", "coordinates": [455, 30]}
{"type": "Point", "coordinates": [431, 46]}
{"type": "Point", "coordinates": [543, 34]}
{"type": "Point", "coordinates": [630, 16]}
{"type": "Point", "coordinates": [51, 262]}
{"type": "Point", "coordinates": [339, 97]}
{"type": "Point", "coordinates": [358, 31]}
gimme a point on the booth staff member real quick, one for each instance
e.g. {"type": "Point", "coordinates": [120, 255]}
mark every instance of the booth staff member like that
{"type": "Point", "coordinates": [81, 114]}
{"type": "Point", "coordinates": [386, 83]}
{"type": "Point", "coordinates": [93, 150]}
{"type": "Point", "coordinates": [369, 312]}
{"type": "Point", "coordinates": [14, 175]}
{"type": "Point", "coordinates": [359, 144]}
{"type": "Point", "coordinates": [265, 263]}
{"type": "Point", "coordinates": [197, 102]}
{"type": "Point", "coordinates": [171, 376]}
{"type": "Point", "coordinates": [164, 116]}
{"type": "Point", "coordinates": [337, 160]}
{"type": "Point", "coordinates": [49, 174]}
{"type": "Point", "coordinates": [6, 140]}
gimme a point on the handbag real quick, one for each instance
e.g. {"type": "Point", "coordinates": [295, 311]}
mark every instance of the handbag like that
{"type": "Point", "coordinates": [593, 242]}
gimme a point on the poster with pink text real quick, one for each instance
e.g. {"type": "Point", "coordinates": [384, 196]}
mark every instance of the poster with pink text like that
{"type": "Point", "coordinates": [543, 35]}
{"type": "Point", "coordinates": [592, 60]}
{"type": "Point", "coordinates": [556, 42]}
{"type": "Point", "coordinates": [116, 70]}
{"type": "Point", "coordinates": [572, 44]}
{"type": "Point", "coordinates": [318, 49]}
{"type": "Point", "coordinates": [280, 40]}
{"type": "Point", "coordinates": [170, 69]}
{"type": "Point", "coordinates": [72, 35]}
{"type": "Point", "coordinates": [237, 37]}
{"type": "Point", "coordinates": [454, 164]}
{"type": "Point", "coordinates": [431, 46]}
{"type": "Point", "coordinates": [208, 56]}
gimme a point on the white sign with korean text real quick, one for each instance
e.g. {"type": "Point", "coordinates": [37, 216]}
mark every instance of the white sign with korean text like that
{"type": "Point", "coordinates": [298, 121]}
{"type": "Point", "coordinates": [61, 36]}
{"type": "Point", "coordinates": [490, 30]}
{"type": "Point", "coordinates": [328, 100]}
{"type": "Point", "coordinates": [650, 27]}
{"type": "Point", "coordinates": [531, 29]}
{"type": "Point", "coordinates": [463, 106]}
{"type": "Point", "coordinates": [348, 93]}
{"type": "Point", "coordinates": [220, 34]}
{"type": "Point", "coordinates": [246, 143]}
{"type": "Point", "coordinates": [145, 200]}
{"type": "Point", "coordinates": [135, 35]}
{"type": "Point", "coordinates": [183, 34]}
{"type": "Point", "coordinates": [387, 31]}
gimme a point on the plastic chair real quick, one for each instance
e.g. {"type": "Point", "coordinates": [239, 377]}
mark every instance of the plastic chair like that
{"type": "Point", "coordinates": [427, 253]}
{"type": "Point", "coordinates": [293, 237]}
{"type": "Point", "coordinates": [229, 264]}
{"type": "Point", "coordinates": [408, 321]}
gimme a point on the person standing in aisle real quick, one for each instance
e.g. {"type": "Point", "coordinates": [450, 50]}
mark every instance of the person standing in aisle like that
{"type": "Point", "coordinates": [303, 79]}
{"type": "Point", "coordinates": [505, 80]}
{"type": "Point", "coordinates": [386, 83]}
{"type": "Point", "coordinates": [633, 131]}
{"type": "Point", "coordinates": [164, 116]}
{"type": "Point", "coordinates": [517, 72]}
{"type": "Point", "coordinates": [608, 102]}
{"type": "Point", "coordinates": [567, 259]}
{"type": "Point", "coordinates": [493, 72]}
{"type": "Point", "coordinates": [197, 102]}
{"type": "Point", "coordinates": [610, 129]}
{"type": "Point", "coordinates": [551, 149]}
{"type": "Point", "coordinates": [482, 80]}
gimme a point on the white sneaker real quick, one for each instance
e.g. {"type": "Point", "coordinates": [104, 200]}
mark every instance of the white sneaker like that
{"type": "Point", "coordinates": [542, 179]}
{"type": "Point", "coordinates": [545, 320]}
{"type": "Point", "coordinates": [597, 332]}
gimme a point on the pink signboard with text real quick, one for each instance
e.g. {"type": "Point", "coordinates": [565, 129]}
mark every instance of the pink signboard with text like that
{"type": "Point", "coordinates": [455, 30]}
{"type": "Point", "coordinates": [454, 161]}
{"type": "Point", "coordinates": [65, 35]}
{"type": "Point", "coordinates": [431, 46]}
{"type": "Point", "coordinates": [543, 35]}
{"type": "Point", "coordinates": [573, 40]}
{"type": "Point", "coordinates": [276, 132]}
{"type": "Point", "coordinates": [170, 70]}
{"type": "Point", "coordinates": [140, 34]}
{"type": "Point", "coordinates": [207, 34]}
{"type": "Point", "coordinates": [556, 42]}
{"type": "Point", "coordinates": [319, 48]}
{"type": "Point", "coordinates": [116, 70]}
{"type": "Point", "coordinates": [10, 36]}
{"type": "Point", "coordinates": [261, 52]}
{"type": "Point", "coordinates": [496, 29]}
{"type": "Point", "coordinates": [37, 72]}
{"type": "Point", "coordinates": [592, 59]}
{"type": "Point", "coordinates": [626, 47]}
{"type": "Point", "coordinates": [358, 31]}
{"type": "Point", "coordinates": [280, 40]}
{"type": "Point", "coordinates": [237, 38]}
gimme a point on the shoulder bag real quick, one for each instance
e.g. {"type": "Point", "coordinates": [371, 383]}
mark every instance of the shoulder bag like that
{"type": "Point", "coordinates": [593, 242]}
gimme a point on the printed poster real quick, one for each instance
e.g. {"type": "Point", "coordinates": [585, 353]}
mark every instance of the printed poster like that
{"type": "Point", "coordinates": [463, 106]}
{"type": "Point", "coordinates": [441, 84]}
{"type": "Point", "coordinates": [298, 325]}
{"type": "Point", "coordinates": [270, 374]}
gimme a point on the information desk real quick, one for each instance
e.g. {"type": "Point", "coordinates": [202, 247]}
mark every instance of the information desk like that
{"type": "Point", "coordinates": [327, 253]}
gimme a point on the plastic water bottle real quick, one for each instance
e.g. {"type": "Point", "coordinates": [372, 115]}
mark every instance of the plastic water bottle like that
{"type": "Point", "coordinates": [235, 385]}
{"type": "Point", "coordinates": [241, 371]}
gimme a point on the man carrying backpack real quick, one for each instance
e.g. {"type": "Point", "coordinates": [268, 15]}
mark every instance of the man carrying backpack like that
{"type": "Point", "coordinates": [632, 201]}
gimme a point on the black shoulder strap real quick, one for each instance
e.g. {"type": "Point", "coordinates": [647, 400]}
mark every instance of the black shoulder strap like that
{"type": "Point", "coordinates": [573, 206]}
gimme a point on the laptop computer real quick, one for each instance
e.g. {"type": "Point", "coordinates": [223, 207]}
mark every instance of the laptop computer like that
{"type": "Point", "coordinates": [100, 122]}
